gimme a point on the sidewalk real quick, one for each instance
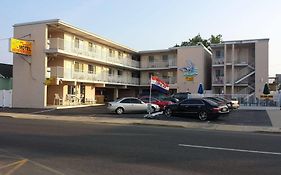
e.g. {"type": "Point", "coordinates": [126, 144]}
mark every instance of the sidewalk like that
{"type": "Point", "coordinates": [152, 122]}
{"type": "Point", "coordinates": [275, 117]}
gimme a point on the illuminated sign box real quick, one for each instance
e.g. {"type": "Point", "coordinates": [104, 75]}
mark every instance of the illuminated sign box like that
{"type": "Point", "coordinates": [20, 46]}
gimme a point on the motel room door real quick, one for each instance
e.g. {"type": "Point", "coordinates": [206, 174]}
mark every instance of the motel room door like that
{"type": "Point", "coordinates": [82, 93]}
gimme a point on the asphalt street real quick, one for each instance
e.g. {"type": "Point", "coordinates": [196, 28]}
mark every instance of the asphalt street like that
{"type": "Point", "coordinates": [54, 147]}
{"type": "Point", "coordinates": [237, 117]}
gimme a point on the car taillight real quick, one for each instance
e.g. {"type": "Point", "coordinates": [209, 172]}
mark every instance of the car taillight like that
{"type": "Point", "coordinates": [216, 109]}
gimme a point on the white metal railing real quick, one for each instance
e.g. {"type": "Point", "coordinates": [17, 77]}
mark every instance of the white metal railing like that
{"type": "Point", "coordinates": [95, 53]}
{"type": "Point", "coordinates": [161, 64]}
{"type": "Point", "coordinates": [218, 61]}
{"type": "Point", "coordinates": [218, 80]}
{"type": "Point", "coordinates": [246, 99]}
{"type": "Point", "coordinates": [69, 73]}
{"type": "Point", "coordinates": [168, 80]}
{"type": "Point", "coordinates": [172, 62]}
{"type": "Point", "coordinates": [158, 64]}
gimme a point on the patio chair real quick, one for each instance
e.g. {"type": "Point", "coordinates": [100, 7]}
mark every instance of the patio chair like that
{"type": "Point", "coordinates": [69, 99]}
{"type": "Point", "coordinates": [57, 99]}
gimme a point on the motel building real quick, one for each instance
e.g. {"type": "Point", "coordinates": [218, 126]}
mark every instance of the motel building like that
{"type": "Point", "coordinates": [68, 66]}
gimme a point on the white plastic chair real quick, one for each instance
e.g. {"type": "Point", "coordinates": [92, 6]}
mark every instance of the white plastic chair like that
{"type": "Point", "coordinates": [57, 99]}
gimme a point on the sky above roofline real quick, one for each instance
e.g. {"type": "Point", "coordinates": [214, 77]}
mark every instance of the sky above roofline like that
{"type": "Point", "coordinates": [153, 25]}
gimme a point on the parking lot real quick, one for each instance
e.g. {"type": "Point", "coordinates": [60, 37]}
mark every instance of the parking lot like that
{"type": "Point", "coordinates": [237, 117]}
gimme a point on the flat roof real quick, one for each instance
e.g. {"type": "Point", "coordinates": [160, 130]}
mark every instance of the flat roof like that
{"type": "Point", "coordinates": [70, 28]}
{"type": "Point", "coordinates": [240, 41]}
{"type": "Point", "coordinates": [158, 51]}
{"type": "Point", "coordinates": [173, 49]}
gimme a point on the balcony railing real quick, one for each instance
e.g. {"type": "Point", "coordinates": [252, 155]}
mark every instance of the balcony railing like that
{"type": "Point", "coordinates": [169, 80]}
{"type": "Point", "coordinates": [218, 80]}
{"type": "Point", "coordinates": [218, 61]}
{"type": "Point", "coordinates": [160, 64]}
{"type": "Point", "coordinates": [96, 54]}
{"type": "Point", "coordinates": [68, 73]}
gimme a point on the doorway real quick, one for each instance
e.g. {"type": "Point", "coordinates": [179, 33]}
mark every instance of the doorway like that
{"type": "Point", "coordinates": [82, 93]}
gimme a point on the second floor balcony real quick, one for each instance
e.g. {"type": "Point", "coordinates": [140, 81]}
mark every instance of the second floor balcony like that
{"type": "Point", "coordinates": [71, 74]}
{"type": "Point", "coordinates": [170, 63]}
{"type": "Point", "coordinates": [168, 80]}
{"type": "Point", "coordinates": [218, 62]}
{"type": "Point", "coordinates": [97, 54]}
{"type": "Point", "coordinates": [218, 80]}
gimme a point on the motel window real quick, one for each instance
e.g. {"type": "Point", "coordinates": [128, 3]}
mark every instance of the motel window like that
{"type": "Point", "coordinates": [78, 67]}
{"type": "Point", "coordinates": [76, 43]}
{"type": "Point", "coordinates": [111, 53]}
{"type": "Point", "coordinates": [90, 46]}
{"type": "Point", "coordinates": [70, 89]}
{"type": "Point", "coordinates": [165, 58]}
{"type": "Point", "coordinates": [150, 74]}
{"type": "Point", "coordinates": [110, 71]}
{"type": "Point", "coordinates": [120, 72]}
{"type": "Point", "coordinates": [165, 75]}
{"type": "Point", "coordinates": [135, 74]}
{"type": "Point", "coordinates": [219, 54]}
{"type": "Point", "coordinates": [151, 59]}
{"type": "Point", "coordinates": [120, 54]}
{"type": "Point", "coordinates": [219, 73]}
{"type": "Point", "coordinates": [90, 69]}
{"type": "Point", "coordinates": [95, 47]}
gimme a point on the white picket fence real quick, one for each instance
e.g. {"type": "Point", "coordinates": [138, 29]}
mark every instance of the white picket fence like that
{"type": "Point", "coordinates": [6, 98]}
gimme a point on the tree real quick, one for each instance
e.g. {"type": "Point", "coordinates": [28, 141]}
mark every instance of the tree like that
{"type": "Point", "coordinates": [214, 39]}
{"type": "Point", "coordinates": [266, 90]}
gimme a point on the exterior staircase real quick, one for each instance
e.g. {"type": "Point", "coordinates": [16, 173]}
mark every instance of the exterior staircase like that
{"type": "Point", "coordinates": [244, 77]}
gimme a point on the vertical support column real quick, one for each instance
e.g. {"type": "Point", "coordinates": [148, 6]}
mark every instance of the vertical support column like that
{"type": "Point", "coordinates": [224, 68]}
{"type": "Point", "coordinates": [45, 62]}
{"type": "Point", "coordinates": [232, 68]}
{"type": "Point", "coordinates": [45, 95]}
{"type": "Point", "coordinates": [116, 93]}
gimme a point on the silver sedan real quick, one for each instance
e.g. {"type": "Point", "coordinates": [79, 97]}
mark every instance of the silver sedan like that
{"type": "Point", "coordinates": [130, 104]}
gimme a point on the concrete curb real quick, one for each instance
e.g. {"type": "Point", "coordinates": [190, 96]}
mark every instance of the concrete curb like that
{"type": "Point", "coordinates": [151, 122]}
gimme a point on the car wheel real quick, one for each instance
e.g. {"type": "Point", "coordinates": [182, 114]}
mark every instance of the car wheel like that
{"type": "Point", "coordinates": [168, 112]}
{"type": "Point", "coordinates": [203, 116]}
{"type": "Point", "coordinates": [119, 111]}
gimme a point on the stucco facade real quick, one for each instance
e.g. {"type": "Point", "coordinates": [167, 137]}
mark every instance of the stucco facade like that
{"type": "Point", "coordinates": [70, 64]}
{"type": "Point", "coordinates": [201, 58]}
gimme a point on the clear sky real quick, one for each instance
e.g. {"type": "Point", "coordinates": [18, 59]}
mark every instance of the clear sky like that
{"type": "Point", "coordinates": [153, 24]}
